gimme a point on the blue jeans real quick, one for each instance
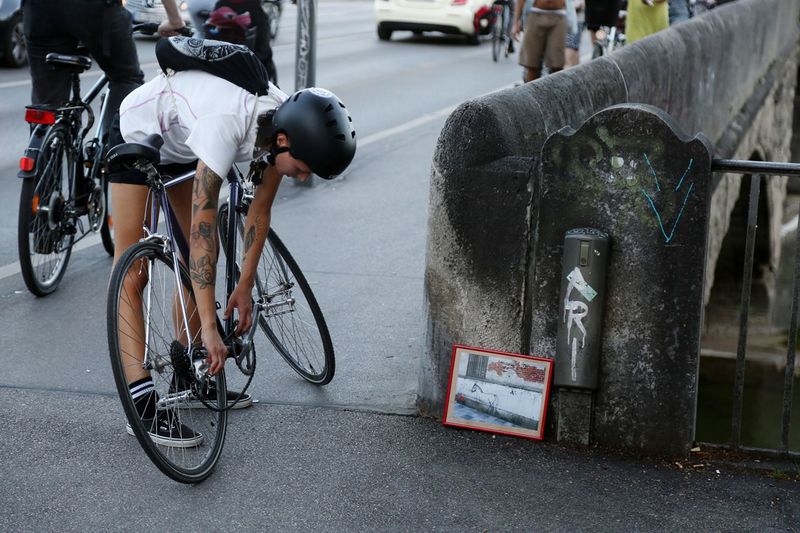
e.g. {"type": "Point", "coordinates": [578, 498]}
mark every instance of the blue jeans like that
{"type": "Point", "coordinates": [678, 11]}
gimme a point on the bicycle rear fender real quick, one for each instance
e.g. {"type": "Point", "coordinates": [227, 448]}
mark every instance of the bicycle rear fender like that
{"type": "Point", "coordinates": [33, 149]}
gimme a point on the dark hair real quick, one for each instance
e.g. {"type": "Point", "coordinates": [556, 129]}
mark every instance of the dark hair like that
{"type": "Point", "coordinates": [265, 131]}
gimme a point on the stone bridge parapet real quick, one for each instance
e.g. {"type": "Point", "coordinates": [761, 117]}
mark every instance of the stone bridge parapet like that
{"type": "Point", "coordinates": [729, 74]}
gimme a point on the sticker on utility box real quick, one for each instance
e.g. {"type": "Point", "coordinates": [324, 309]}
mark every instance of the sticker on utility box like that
{"type": "Point", "coordinates": [576, 279]}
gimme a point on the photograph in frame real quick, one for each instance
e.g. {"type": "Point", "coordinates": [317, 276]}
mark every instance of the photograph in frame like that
{"type": "Point", "coordinates": [498, 392]}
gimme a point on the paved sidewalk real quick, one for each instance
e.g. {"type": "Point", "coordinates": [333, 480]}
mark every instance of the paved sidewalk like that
{"type": "Point", "coordinates": [306, 469]}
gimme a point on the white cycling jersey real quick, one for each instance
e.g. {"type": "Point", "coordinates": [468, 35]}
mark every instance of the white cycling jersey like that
{"type": "Point", "coordinates": [199, 116]}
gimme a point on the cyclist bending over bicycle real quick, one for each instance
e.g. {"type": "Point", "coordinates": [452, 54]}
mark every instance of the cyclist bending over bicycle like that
{"type": "Point", "coordinates": [207, 123]}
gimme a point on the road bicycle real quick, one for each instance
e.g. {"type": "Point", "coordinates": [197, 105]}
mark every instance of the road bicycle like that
{"type": "Point", "coordinates": [64, 196]}
{"type": "Point", "coordinates": [151, 282]}
{"type": "Point", "coordinates": [502, 41]}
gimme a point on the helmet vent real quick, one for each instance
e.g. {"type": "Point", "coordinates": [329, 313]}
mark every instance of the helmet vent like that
{"type": "Point", "coordinates": [330, 123]}
{"type": "Point", "coordinates": [296, 97]}
{"type": "Point", "coordinates": [353, 134]}
{"type": "Point", "coordinates": [341, 137]}
{"type": "Point", "coordinates": [342, 105]}
{"type": "Point", "coordinates": [329, 108]}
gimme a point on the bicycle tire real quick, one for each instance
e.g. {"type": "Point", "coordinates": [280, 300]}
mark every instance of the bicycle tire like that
{"type": "Point", "coordinates": [166, 352]}
{"type": "Point", "coordinates": [311, 355]}
{"type": "Point", "coordinates": [43, 243]}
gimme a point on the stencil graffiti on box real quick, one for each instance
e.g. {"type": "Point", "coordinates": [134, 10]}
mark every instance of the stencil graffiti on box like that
{"type": "Point", "coordinates": [574, 313]}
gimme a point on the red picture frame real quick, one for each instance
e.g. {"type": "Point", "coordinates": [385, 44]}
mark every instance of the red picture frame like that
{"type": "Point", "coordinates": [499, 392]}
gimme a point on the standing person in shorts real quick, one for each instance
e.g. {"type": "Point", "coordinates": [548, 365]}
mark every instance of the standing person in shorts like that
{"type": "Point", "coordinates": [545, 33]}
{"type": "Point", "coordinates": [601, 13]}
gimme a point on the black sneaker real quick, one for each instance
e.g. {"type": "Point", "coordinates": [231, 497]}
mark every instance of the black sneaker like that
{"type": "Point", "coordinates": [511, 46]}
{"type": "Point", "coordinates": [245, 401]}
{"type": "Point", "coordinates": [166, 430]}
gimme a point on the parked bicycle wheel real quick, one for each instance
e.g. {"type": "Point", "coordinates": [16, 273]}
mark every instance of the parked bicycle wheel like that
{"type": "Point", "coordinates": [152, 325]}
{"type": "Point", "coordinates": [45, 232]}
{"type": "Point", "coordinates": [293, 323]}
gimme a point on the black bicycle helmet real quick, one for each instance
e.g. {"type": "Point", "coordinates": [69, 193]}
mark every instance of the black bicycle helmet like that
{"type": "Point", "coordinates": [320, 131]}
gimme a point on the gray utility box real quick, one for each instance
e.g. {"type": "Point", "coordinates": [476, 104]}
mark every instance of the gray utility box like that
{"type": "Point", "coordinates": [583, 281]}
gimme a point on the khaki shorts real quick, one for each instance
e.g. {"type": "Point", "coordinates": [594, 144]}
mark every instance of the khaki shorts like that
{"type": "Point", "coordinates": [544, 38]}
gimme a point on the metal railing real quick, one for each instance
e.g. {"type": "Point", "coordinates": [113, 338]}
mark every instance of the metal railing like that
{"type": "Point", "coordinates": [757, 169]}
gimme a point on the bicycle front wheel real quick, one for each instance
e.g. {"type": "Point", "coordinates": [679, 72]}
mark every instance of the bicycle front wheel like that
{"type": "Point", "coordinates": [179, 420]}
{"type": "Point", "coordinates": [291, 319]}
{"type": "Point", "coordinates": [44, 232]}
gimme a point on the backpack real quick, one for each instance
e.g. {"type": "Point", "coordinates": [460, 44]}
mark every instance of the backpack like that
{"type": "Point", "coordinates": [232, 62]}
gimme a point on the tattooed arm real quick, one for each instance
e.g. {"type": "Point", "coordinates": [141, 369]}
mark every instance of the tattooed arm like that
{"type": "Point", "coordinates": [203, 260]}
{"type": "Point", "coordinates": [256, 228]}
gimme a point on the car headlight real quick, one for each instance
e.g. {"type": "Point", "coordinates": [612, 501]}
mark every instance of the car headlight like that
{"type": "Point", "coordinates": [184, 6]}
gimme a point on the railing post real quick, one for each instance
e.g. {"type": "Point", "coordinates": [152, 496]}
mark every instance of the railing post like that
{"type": "Point", "coordinates": [744, 310]}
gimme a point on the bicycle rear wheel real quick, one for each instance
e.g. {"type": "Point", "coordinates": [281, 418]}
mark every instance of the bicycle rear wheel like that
{"type": "Point", "coordinates": [149, 314]}
{"type": "Point", "coordinates": [293, 321]}
{"type": "Point", "coordinates": [44, 236]}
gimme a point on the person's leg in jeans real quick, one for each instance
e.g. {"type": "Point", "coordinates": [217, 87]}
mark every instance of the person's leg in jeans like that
{"type": "Point", "coordinates": [678, 11]}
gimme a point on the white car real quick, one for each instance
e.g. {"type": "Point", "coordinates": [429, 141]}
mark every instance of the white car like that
{"type": "Point", "coordinates": [460, 17]}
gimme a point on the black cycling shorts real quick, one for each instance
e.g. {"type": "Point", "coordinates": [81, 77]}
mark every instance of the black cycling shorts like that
{"type": "Point", "coordinates": [601, 13]}
{"type": "Point", "coordinates": [134, 177]}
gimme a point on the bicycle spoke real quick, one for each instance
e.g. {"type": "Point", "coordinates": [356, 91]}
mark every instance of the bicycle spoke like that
{"type": "Point", "coordinates": [150, 340]}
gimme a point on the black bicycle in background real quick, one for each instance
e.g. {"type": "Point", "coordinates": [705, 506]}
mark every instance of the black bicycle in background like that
{"type": "Point", "coordinates": [64, 196]}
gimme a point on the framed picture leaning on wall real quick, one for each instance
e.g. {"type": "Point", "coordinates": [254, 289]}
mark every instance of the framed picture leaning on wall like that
{"type": "Point", "coordinates": [498, 392]}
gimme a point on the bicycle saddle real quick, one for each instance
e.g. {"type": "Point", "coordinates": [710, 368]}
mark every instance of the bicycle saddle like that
{"type": "Point", "coordinates": [147, 151]}
{"type": "Point", "coordinates": [71, 63]}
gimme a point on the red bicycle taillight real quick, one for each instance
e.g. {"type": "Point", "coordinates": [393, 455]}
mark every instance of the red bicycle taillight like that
{"type": "Point", "coordinates": [458, 3]}
{"type": "Point", "coordinates": [40, 116]}
{"type": "Point", "coordinates": [26, 164]}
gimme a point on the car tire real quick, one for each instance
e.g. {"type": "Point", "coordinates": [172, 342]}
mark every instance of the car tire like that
{"type": "Point", "coordinates": [15, 52]}
{"type": "Point", "coordinates": [383, 33]}
{"type": "Point", "coordinates": [473, 39]}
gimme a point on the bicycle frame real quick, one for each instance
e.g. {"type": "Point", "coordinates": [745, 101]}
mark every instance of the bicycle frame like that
{"type": "Point", "coordinates": [176, 245]}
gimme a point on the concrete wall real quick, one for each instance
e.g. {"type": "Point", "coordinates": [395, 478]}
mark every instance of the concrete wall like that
{"type": "Point", "coordinates": [729, 74]}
